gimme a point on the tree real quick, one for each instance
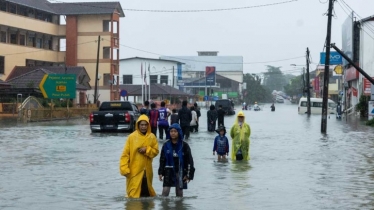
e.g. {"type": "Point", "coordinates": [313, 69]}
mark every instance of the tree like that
{"type": "Point", "coordinates": [295, 87]}
{"type": "Point", "coordinates": [254, 90]}
{"type": "Point", "coordinates": [274, 78]}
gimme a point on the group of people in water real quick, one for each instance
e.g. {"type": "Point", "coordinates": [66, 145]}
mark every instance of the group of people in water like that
{"type": "Point", "coordinates": [176, 167]}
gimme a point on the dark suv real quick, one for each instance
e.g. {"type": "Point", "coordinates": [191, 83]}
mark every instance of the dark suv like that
{"type": "Point", "coordinates": [227, 105]}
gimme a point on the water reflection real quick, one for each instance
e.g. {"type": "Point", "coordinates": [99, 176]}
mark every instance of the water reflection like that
{"type": "Point", "coordinates": [141, 203]}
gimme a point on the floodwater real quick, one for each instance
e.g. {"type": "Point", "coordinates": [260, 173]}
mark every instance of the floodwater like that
{"type": "Point", "coordinates": [62, 165]}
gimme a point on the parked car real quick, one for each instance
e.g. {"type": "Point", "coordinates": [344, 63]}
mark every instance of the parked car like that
{"type": "Point", "coordinates": [114, 116]}
{"type": "Point", "coordinates": [227, 106]}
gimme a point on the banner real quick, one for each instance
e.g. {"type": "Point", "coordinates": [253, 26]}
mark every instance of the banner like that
{"type": "Point", "coordinates": [335, 58]}
{"type": "Point", "coordinates": [210, 75]}
{"type": "Point", "coordinates": [367, 87]}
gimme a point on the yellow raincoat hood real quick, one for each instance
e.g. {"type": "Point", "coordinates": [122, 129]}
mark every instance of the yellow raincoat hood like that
{"type": "Point", "coordinates": [143, 117]}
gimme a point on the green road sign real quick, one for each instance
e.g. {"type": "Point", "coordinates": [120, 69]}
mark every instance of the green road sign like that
{"type": "Point", "coordinates": [58, 86]}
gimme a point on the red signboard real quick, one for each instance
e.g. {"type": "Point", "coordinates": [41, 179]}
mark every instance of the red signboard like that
{"type": "Point", "coordinates": [354, 91]}
{"type": "Point", "coordinates": [351, 74]}
{"type": "Point", "coordinates": [367, 87]}
{"type": "Point", "coordinates": [316, 84]}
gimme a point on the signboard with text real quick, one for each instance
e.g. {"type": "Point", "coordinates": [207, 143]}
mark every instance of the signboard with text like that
{"type": "Point", "coordinates": [335, 58]}
{"type": "Point", "coordinates": [58, 86]}
{"type": "Point", "coordinates": [210, 75]}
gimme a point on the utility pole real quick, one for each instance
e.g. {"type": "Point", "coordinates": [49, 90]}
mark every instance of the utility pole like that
{"type": "Point", "coordinates": [97, 69]}
{"type": "Point", "coordinates": [307, 81]}
{"type": "Point", "coordinates": [327, 68]}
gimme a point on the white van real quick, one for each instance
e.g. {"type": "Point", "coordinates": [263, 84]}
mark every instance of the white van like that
{"type": "Point", "coordinates": [316, 106]}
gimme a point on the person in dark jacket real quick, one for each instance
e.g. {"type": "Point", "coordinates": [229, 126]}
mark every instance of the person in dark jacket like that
{"type": "Point", "coordinates": [221, 116]}
{"type": "Point", "coordinates": [185, 118]}
{"type": "Point", "coordinates": [176, 162]}
{"type": "Point", "coordinates": [198, 112]}
{"type": "Point", "coordinates": [212, 118]}
{"type": "Point", "coordinates": [174, 118]}
{"type": "Point", "coordinates": [145, 108]}
{"type": "Point", "coordinates": [153, 118]}
{"type": "Point", "coordinates": [272, 107]}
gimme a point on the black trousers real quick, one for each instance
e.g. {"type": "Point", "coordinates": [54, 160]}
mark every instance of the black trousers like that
{"type": "Point", "coordinates": [154, 130]}
{"type": "Point", "coordinates": [161, 130]}
{"type": "Point", "coordinates": [144, 189]}
{"type": "Point", "coordinates": [186, 131]}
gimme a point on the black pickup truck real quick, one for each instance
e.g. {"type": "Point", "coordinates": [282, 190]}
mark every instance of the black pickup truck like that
{"type": "Point", "coordinates": [114, 116]}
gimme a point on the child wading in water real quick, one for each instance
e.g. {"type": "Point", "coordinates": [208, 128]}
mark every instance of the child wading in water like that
{"type": "Point", "coordinates": [221, 144]}
{"type": "Point", "coordinates": [176, 162]}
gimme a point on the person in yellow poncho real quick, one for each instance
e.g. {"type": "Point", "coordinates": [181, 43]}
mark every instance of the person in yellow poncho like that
{"type": "Point", "coordinates": [136, 160]}
{"type": "Point", "coordinates": [240, 133]}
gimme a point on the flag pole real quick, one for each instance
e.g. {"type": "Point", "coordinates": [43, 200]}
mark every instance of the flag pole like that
{"type": "Point", "coordinates": [141, 78]}
{"type": "Point", "coordinates": [149, 88]}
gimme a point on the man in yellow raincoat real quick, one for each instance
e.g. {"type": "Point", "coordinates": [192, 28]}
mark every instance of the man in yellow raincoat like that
{"type": "Point", "coordinates": [240, 133]}
{"type": "Point", "coordinates": [136, 160]}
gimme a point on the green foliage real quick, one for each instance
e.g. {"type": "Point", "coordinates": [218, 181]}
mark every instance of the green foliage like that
{"type": "Point", "coordinates": [295, 87]}
{"type": "Point", "coordinates": [255, 91]}
{"type": "Point", "coordinates": [370, 122]}
{"type": "Point", "coordinates": [362, 105]}
{"type": "Point", "coordinates": [274, 78]}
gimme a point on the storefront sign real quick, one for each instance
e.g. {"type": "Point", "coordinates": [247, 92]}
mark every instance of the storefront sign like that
{"type": "Point", "coordinates": [367, 86]}
{"type": "Point", "coordinates": [351, 74]}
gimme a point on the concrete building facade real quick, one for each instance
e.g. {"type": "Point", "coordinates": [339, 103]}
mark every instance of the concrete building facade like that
{"type": "Point", "coordinates": [33, 33]}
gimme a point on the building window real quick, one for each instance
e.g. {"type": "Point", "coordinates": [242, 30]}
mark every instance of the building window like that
{"type": "Point", "coordinates": [13, 37]}
{"type": "Point", "coordinates": [106, 26]}
{"type": "Point", "coordinates": [153, 79]}
{"type": "Point", "coordinates": [106, 52]}
{"type": "Point", "coordinates": [127, 79]}
{"type": "Point", "coordinates": [164, 79]}
{"type": "Point", "coordinates": [3, 36]}
{"type": "Point", "coordinates": [107, 79]}
{"type": "Point", "coordinates": [31, 40]}
{"type": "Point", "coordinates": [2, 64]}
{"type": "Point", "coordinates": [47, 43]}
{"type": "Point", "coordinates": [22, 39]}
{"type": "Point", "coordinates": [22, 11]}
{"type": "Point", "coordinates": [13, 8]}
{"type": "Point", "coordinates": [62, 45]}
{"type": "Point", "coordinates": [39, 43]}
{"type": "Point", "coordinates": [3, 6]}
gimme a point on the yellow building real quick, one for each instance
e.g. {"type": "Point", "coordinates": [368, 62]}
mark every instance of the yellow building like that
{"type": "Point", "coordinates": [40, 33]}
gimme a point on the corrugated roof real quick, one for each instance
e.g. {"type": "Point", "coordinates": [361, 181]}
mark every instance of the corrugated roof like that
{"type": "Point", "coordinates": [153, 59]}
{"type": "Point", "coordinates": [76, 8]}
{"type": "Point", "coordinates": [20, 70]}
{"type": "Point", "coordinates": [33, 78]}
{"type": "Point", "coordinates": [42, 5]}
{"type": "Point", "coordinates": [2, 83]}
{"type": "Point", "coordinates": [87, 8]}
{"type": "Point", "coordinates": [156, 89]}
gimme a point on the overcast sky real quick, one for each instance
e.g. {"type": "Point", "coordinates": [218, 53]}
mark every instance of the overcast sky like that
{"type": "Point", "coordinates": [259, 34]}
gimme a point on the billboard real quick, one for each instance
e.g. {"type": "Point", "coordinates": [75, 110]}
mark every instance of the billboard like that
{"type": "Point", "coordinates": [335, 58]}
{"type": "Point", "coordinates": [347, 38]}
{"type": "Point", "coordinates": [210, 75]}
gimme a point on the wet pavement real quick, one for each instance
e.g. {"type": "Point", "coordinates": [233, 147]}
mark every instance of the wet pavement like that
{"type": "Point", "coordinates": [62, 165]}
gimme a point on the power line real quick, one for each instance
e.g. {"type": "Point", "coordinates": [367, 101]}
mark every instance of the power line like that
{"type": "Point", "coordinates": [178, 58]}
{"type": "Point", "coordinates": [356, 14]}
{"type": "Point", "coordinates": [350, 8]}
{"type": "Point", "coordinates": [185, 11]}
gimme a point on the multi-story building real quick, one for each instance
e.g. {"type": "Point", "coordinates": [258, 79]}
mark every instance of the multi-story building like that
{"type": "Point", "coordinates": [40, 33]}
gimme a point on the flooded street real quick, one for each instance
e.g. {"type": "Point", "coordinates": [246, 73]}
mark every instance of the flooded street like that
{"type": "Point", "coordinates": [62, 165]}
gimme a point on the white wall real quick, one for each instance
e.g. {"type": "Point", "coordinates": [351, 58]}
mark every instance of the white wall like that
{"type": "Point", "coordinates": [367, 48]}
{"type": "Point", "coordinates": [157, 67]}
